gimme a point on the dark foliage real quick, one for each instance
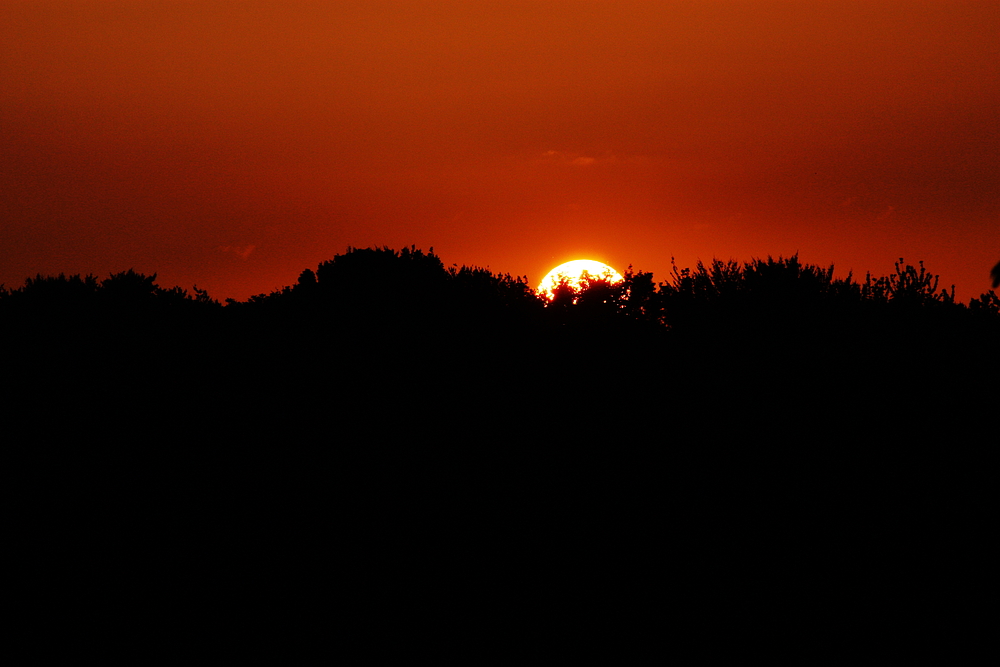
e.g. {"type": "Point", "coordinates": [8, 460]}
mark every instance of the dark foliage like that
{"type": "Point", "coordinates": [378, 308]}
{"type": "Point", "coordinates": [392, 421]}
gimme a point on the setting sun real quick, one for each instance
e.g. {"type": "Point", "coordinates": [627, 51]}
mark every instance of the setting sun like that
{"type": "Point", "coordinates": [576, 273]}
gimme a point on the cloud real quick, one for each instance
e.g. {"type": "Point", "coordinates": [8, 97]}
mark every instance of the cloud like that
{"type": "Point", "coordinates": [886, 214]}
{"type": "Point", "coordinates": [242, 251]}
{"type": "Point", "coordinates": [575, 159]}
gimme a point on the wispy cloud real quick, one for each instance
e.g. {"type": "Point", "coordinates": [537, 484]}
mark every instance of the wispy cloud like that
{"type": "Point", "coordinates": [886, 214]}
{"type": "Point", "coordinates": [574, 159]}
{"type": "Point", "coordinates": [241, 251]}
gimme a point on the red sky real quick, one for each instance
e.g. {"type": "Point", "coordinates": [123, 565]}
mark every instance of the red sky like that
{"type": "Point", "coordinates": [233, 144]}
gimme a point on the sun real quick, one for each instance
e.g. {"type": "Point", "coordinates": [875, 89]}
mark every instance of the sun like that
{"type": "Point", "coordinates": [575, 273]}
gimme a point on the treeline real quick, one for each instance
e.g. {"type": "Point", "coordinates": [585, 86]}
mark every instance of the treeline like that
{"type": "Point", "coordinates": [381, 286]}
{"type": "Point", "coordinates": [398, 331]}
{"type": "Point", "coordinates": [396, 410]}
{"type": "Point", "coordinates": [368, 315]}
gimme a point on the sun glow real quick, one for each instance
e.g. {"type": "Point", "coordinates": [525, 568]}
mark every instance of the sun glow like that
{"type": "Point", "coordinates": [576, 274]}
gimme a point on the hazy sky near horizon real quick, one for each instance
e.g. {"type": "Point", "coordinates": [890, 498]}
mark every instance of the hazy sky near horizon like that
{"type": "Point", "coordinates": [233, 144]}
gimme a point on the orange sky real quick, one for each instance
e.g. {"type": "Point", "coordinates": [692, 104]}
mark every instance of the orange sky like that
{"type": "Point", "coordinates": [233, 144]}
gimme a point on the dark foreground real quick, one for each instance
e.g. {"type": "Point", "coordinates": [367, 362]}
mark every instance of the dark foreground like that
{"type": "Point", "coordinates": [226, 460]}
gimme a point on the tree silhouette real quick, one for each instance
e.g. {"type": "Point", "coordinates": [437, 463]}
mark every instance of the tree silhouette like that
{"type": "Point", "coordinates": [907, 287]}
{"type": "Point", "coordinates": [53, 293]}
{"type": "Point", "coordinates": [417, 399]}
{"type": "Point", "coordinates": [639, 300]}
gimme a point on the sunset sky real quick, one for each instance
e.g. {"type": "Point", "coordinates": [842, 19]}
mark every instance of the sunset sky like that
{"type": "Point", "coordinates": [233, 144]}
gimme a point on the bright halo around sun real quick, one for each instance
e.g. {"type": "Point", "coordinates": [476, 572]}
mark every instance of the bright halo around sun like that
{"type": "Point", "coordinates": [575, 273]}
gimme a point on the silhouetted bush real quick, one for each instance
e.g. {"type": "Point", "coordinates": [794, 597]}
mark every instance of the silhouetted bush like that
{"type": "Point", "coordinates": [408, 401]}
{"type": "Point", "coordinates": [364, 320]}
